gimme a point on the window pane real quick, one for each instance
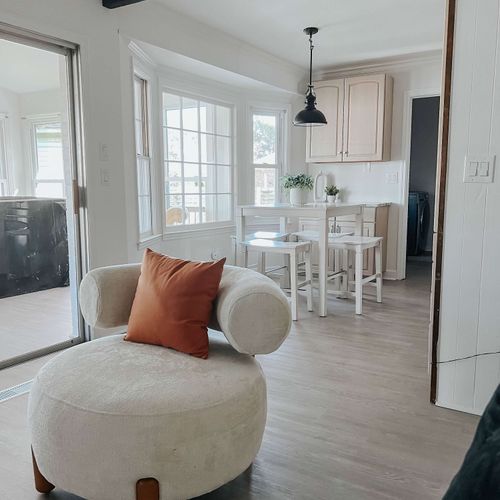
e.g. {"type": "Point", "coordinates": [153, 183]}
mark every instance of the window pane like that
{"type": "Point", "coordinates": [223, 115]}
{"type": "Point", "coordinates": [138, 137]}
{"type": "Point", "coordinates": [175, 213]}
{"type": "Point", "coordinates": [143, 177]}
{"type": "Point", "coordinates": [223, 179]}
{"type": "Point", "coordinates": [264, 139]}
{"type": "Point", "coordinates": [189, 114]}
{"type": "Point", "coordinates": [173, 142]}
{"type": "Point", "coordinates": [265, 186]}
{"type": "Point", "coordinates": [224, 207]}
{"type": "Point", "coordinates": [224, 150]}
{"type": "Point", "coordinates": [207, 148]}
{"type": "Point", "coordinates": [173, 170]}
{"type": "Point", "coordinates": [49, 190]}
{"type": "Point", "coordinates": [192, 204]}
{"type": "Point", "coordinates": [171, 110]}
{"type": "Point", "coordinates": [209, 178]}
{"type": "Point", "coordinates": [209, 208]}
{"type": "Point", "coordinates": [207, 117]}
{"type": "Point", "coordinates": [173, 187]}
{"type": "Point", "coordinates": [191, 146]}
{"type": "Point", "coordinates": [145, 226]}
{"type": "Point", "coordinates": [49, 152]}
{"type": "Point", "coordinates": [191, 178]}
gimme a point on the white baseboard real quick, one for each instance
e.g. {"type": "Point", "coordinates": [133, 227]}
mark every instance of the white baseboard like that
{"type": "Point", "coordinates": [391, 274]}
{"type": "Point", "coordinates": [463, 409]}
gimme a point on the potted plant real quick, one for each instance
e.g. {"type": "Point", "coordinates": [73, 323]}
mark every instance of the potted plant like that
{"type": "Point", "coordinates": [297, 185]}
{"type": "Point", "coordinates": [331, 193]}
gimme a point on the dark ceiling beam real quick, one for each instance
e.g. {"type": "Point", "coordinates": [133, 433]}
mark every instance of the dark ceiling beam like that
{"type": "Point", "coordinates": [113, 4]}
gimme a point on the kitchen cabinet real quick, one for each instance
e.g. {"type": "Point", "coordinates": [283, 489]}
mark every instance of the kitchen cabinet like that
{"type": "Point", "coordinates": [359, 114]}
{"type": "Point", "coordinates": [324, 143]}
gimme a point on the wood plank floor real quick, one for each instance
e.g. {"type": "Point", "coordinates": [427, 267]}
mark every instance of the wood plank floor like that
{"type": "Point", "coordinates": [34, 321]}
{"type": "Point", "coordinates": [349, 416]}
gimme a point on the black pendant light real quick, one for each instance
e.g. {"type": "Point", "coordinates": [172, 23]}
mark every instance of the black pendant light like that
{"type": "Point", "coordinates": [310, 116]}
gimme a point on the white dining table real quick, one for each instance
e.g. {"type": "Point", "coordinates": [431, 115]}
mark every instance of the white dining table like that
{"type": "Point", "coordinates": [322, 212]}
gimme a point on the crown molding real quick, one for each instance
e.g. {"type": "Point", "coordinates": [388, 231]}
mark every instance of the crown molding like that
{"type": "Point", "coordinates": [381, 65]}
{"type": "Point", "coordinates": [141, 54]}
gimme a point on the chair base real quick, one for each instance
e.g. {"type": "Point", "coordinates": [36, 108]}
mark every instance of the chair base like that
{"type": "Point", "coordinates": [41, 484]}
{"type": "Point", "coordinates": [147, 489]}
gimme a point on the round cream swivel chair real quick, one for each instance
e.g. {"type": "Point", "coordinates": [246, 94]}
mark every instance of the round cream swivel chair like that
{"type": "Point", "coordinates": [112, 420]}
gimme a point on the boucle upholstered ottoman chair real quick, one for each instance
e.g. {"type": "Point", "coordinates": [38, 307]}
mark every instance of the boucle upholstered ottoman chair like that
{"type": "Point", "coordinates": [116, 420]}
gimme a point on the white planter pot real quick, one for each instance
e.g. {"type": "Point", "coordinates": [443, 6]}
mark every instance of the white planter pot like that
{"type": "Point", "coordinates": [330, 198]}
{"type": "Point", "coordinates": [297, 196]}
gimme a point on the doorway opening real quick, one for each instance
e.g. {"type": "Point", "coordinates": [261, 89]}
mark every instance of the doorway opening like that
{"type": "Point", "coordinates": [40, 231]}
{"type": "Point", "coordinates": [422, 181]}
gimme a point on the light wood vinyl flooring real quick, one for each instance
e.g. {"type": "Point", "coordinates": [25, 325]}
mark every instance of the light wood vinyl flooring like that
{"type": "Point", "coordinates": [34, 321]}
{"type": "Point", "coordinates": [349, 416]}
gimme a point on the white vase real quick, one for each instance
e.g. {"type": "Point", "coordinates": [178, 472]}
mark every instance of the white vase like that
{"type": "Point", "coordinates": [330, 198]}
{"type": "Point", "coordinates": [296, 196]}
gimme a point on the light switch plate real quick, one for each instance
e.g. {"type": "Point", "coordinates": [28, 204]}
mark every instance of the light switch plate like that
{"type": "Point", "coordinates": [479, 169]}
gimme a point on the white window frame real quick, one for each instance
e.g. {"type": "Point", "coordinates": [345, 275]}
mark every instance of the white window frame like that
{"type": "Point", "coordinates": [4, 158]}
{"type": "Point", "coordinates": [147, 151]}
{"type": "Point", "coordinates": [281, 146]}
{"type": "Point", "coordinates": [169, 231]}
{"type": "Point", "coordinates": [33, 122]}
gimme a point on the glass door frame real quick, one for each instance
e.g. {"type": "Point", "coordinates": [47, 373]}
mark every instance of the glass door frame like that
{"type": "Point", "coordinates": [76, 207]}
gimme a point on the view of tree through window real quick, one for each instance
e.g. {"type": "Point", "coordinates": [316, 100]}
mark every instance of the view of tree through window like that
{"type": "Point", "coordinates": [265, 151]}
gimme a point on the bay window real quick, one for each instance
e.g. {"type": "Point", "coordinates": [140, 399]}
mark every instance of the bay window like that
{"type": "Point", "coordinates": [198, 161]}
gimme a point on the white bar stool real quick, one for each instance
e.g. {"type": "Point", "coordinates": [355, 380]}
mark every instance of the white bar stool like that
{"type": "Point", "coordinates": [258, 235]}
{"type": "Point", "coordinates": [357, 245]}
{"type": "Point", "coordinates": [292, 249]}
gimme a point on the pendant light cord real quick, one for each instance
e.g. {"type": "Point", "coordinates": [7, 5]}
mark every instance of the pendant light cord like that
{"type": "Point", "coordinates": [311, 47]}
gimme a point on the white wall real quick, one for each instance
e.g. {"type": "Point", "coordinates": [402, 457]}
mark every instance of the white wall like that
{"type": "Point", "coordinates": [97, 30]}
{"type": "Point", "coordinates": [470, 312]}
{"type": "Point", "coordinates": [423, 162]}
{"type": "Point", "coordinates": [371, 182]}
{"type": "Point", "coordinates": [9, 105]}
{"type": "Point", "coordinates": [45, 102]}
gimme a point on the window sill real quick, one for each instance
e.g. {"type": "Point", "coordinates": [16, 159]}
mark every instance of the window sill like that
{"type": "Point", "coordinates": [150, 240]}
{"type": "Point", "coordinates": [190, 232]}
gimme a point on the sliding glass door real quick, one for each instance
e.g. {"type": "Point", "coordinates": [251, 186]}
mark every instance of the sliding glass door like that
{"type": "Point", "coordinates": [41, 235]}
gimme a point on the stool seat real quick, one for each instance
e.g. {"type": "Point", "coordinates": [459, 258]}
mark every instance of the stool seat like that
{"type": "Point", "coordinates": [314, 235]}
{"type": "Point", "coordinates": [364, 242]}
{"type": "Point", "coordinates": [193, 424]}
{"type": "Point", "coordinates": [278, 246]}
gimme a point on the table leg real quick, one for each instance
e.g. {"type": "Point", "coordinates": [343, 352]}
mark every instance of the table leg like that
{"type": "Point", "coordinates": [358, 231]}
{"type": "Point", "coordinates": [285, 282]}
{"type": "Point", "coordinates": [323, 264]}
{"type": "Point", "coordinates": [240, 236]}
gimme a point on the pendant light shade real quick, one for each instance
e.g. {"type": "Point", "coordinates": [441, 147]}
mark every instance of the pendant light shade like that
{"type": "Point", "coordinates": [310, 116]}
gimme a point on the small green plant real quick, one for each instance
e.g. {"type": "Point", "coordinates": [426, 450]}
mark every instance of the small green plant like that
{"type": "Point", "coordinates": [301, 181]}
{"type": "Point", "coordinates": [332, 190]}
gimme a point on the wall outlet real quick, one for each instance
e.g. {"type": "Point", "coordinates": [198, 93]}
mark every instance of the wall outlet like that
{"type": "Point", "coordinates": [103, 152]}
{"type": "Point", "coordinates": [105, 177]}
{"type": "Point", "coordinates": [216, 255]}
{"type": "Point", "coordinates": [391, 178]}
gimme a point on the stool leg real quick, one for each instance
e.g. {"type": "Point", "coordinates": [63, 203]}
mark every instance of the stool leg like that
{"type": "Point", "coordinates": [262, 263]}
{"type": "Point", "coordinates": [378, 271]}
{"type": "Point", "coordinates": [359, 283]}
{"type": "Point", "coordinates": [293, 284]}
{"type": "Point", "coordinates": [307, 257]}
{"type": "Point", "coordinates": [41, 484]}
{"type": "Point", "coordinates": [245, 257]}
{"type": "Point", "coordinates": [147, 489]}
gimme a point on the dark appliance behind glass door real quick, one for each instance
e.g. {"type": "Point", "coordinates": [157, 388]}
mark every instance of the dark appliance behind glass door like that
{"type": "Point", "coordinates": [33, 245]}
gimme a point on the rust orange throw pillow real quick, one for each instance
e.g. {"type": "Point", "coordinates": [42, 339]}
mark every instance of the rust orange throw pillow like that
{"type": "Point", "coordinates": [173, 303]}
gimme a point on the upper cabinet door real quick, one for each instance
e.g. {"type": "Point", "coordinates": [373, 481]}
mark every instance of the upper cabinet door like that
{"type": "Point", "coordinates": [324, 143]}
{"type": "Point", "coordinates": [366, 121]}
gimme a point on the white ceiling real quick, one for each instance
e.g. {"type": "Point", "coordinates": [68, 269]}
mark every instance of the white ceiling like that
{"type": "Point", "coordinates": [350, 30]}
{"type": "Point", "coordinates": [27, 69]}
